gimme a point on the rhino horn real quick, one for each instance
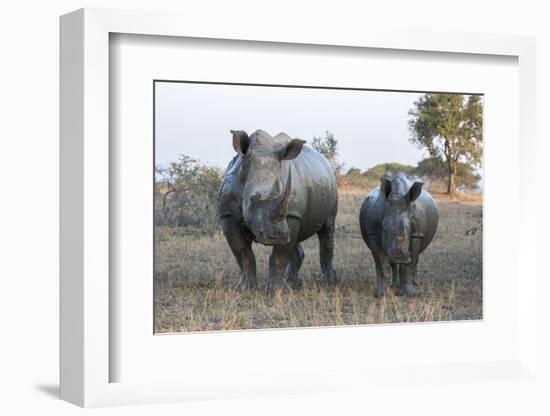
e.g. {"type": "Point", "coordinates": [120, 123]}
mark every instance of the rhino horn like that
{"type": "Point", "coordinates": [276, 189]}
{"type": "Point", "coordinates": [282, 202]}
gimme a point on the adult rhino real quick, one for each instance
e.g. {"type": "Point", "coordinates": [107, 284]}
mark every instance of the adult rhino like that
{"type": "Point", "coordinates": [277, 192]}
{"type": "Point", "coordinates": [398, 222]}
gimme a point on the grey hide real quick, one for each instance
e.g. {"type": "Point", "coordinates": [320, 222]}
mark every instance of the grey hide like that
{"type": "Point", "coordinates": [398, 222]}
{"type": "Point", "coordinates": [277, 192]}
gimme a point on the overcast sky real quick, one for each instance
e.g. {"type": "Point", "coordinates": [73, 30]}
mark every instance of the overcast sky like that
{"type": "Point", "coordinates": [195, 119]}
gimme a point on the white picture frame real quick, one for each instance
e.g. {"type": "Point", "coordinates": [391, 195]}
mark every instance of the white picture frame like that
{"type": "Point", "coordinates": [86, 356]}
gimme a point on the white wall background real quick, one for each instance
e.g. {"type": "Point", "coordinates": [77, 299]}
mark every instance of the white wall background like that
{"type": "Point", "coordinates": [29, 209]}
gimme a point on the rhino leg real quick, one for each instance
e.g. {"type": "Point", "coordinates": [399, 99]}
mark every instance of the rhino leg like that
{"type": "Point", "coordinates": [416, 243]}
{"type": "Point", "coordinates": [294, 267]}
{"type": "Point", "coordinates": [241, 246]}
{"type": "Point", "coordinates": [405, 286]}
{"type": "Point", "coordinates": [375, 246]}
{"type": "Point", "coordinates": [394, 275]}
{"type": "Point", "coordinates": [326, 251]}
{"type": "Point", "coordinates": [417, 281]}
{"type": "Point", "coordinates": [280, 261]}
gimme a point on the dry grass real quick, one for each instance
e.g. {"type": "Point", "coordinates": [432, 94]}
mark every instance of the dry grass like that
{"type": "Point", "coordinates": [472, 198]}
{"type": "Point", "coordinates": [195, 276]}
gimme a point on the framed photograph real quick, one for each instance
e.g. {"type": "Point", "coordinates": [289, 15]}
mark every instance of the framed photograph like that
{"type": "Point", "coordinates": [259, 212]}
{"type": "Point", "coordinates": [273, 214]}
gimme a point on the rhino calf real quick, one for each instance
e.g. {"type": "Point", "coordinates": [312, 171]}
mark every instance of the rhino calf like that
{"type": "Point", "coordinates": [277, 192]}
{"type": "Point", "coordinates": [398, 222]}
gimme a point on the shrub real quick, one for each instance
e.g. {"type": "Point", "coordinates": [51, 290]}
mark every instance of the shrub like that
{"type": "Point", "coordinates": [186, 195]}
{"type": "Point", "coordinates": [378, 171]}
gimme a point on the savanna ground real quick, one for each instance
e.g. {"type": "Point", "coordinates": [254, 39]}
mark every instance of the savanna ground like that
{"type": "Point", "coordinates": [195, 276]}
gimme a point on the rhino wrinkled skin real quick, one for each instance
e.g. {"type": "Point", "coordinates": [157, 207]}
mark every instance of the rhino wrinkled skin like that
{"type": "Point", "coordinates": [398, 222]}
{"type": "Point", "coordinates": [277, 192]}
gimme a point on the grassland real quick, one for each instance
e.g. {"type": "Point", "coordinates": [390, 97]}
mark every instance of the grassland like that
{"type": "Point", "coordinates": [195, 275]}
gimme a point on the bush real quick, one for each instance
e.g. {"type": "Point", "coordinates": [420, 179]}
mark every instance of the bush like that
{"type": "Point", "coordinates": [186, 195]}
{"type": "Point", "coordinates": [378, 171]}
{"type": "Point", "coordinates": [355, 180]}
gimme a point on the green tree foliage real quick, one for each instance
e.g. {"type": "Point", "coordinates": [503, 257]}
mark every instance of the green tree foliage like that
{"type": "Point", "coordinates": [449, 126]}
{"type": "Point", "coordinates": [328, 147]}
{"type": "Point", "coordinates": [353, 172]}
{"type": "Point", "coordinates": [354, 178]}
{"type": "Point", "coordinates": [434, 167]}
{"type": "Point", "coordinates": [369, 179]}
{"type": "Point", "coordinates": [186, 194]}
{"type": "Point", "coordinates": [382, 169]}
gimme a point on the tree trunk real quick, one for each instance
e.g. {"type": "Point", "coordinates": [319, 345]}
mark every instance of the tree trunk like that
{"type": "Point", "coordinates": [451, 183]}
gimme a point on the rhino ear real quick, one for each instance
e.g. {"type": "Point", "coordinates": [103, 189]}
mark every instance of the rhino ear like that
{"type": "Point", "coordinates": [241, 141]}
{"type": "Point", "coordinates": [291, 150]}
{"type": "Point", "coordinates": [385, 187]}
{"type": "Point", "coordinates": [414, 192]}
